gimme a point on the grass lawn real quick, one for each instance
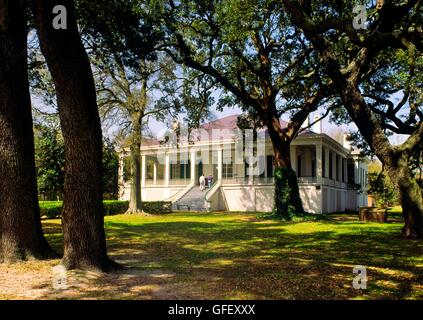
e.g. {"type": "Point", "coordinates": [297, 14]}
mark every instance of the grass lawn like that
{"type": "Point", "coordinates": [234, 256]}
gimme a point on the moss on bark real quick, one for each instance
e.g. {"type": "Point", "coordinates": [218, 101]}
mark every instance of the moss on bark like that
{"type": "Point", "coordinates": [287, 195]}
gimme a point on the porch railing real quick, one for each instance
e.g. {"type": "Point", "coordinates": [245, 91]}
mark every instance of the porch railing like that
{"type": "Point", "coordinates": [162, 182]}
{"type": "Point", "coordinates": [252, 180]}
{"type": "Point", "coordinates": [305, 180]}
{"type": "Point", "coordinates": [335, 183]}
{"type": "Point", "coordinates": [179, 182]}
{"type": "Point", "coordinates": [262, 180]}
{"type": "Point", "coordinates": [152, 183]}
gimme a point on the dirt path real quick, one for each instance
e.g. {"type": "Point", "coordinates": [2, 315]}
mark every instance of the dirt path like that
{"type": "Point", "coordinates": [38, 280]}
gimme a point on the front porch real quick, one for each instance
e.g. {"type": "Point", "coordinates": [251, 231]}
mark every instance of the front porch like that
{"type": "Point", "coordinates": [327, 175]}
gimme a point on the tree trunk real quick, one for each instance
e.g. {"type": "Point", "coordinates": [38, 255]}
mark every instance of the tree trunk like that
{"type": "Point", "coordinates": [396, 162]}
{"type": "Point", "coordinates": [137, 112]}
{"type": "Point", "coordinates": [21, 235]}
{"type": "Point", "coordinates": [135, 202]}
{"type": "Point", "coordinates": [82, 219]}
{"type": "Point", "coordinates": [410, 195]}
{"type": "Point", "coordinates": [287, 194]}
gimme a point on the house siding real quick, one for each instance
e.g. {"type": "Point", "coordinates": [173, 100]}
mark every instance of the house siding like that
{"type": "Point", "coordinates": [327, 173]}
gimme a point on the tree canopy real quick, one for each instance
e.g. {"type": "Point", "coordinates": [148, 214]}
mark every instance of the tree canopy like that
{"type": "Point", "coordinates": [368, 67]}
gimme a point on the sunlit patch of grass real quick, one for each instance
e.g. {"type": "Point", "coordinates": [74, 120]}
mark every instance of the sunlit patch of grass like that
{"type": "Point", "coordinates": [395, 209]}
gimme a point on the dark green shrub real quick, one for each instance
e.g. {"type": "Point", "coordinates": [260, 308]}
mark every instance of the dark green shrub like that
{"type": "Point", "coordinates": [51, 209]}
{"type": "Point", "coordinates": [113, 207]}
{"type": "Point", "coordinates": [157, 207]}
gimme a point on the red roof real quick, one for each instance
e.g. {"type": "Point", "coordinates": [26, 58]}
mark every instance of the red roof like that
{"type": "Point", "coordinates": [150, 142]}
{"type": "Point", "coordinates": [227, 123]}
{"type": "Point", "coordinates": [230, 122]}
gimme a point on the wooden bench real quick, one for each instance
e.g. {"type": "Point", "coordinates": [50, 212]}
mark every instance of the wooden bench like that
{"type": "Point", "coordinates": [373, 214]}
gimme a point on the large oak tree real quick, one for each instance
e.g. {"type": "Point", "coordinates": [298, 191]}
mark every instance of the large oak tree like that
{"type": "Point", "coordinates": [21, 235]}
{"type": "Point", "coordinates": [260, 63]}
{"type": "Point", "coordinates": [82, 218]}
{"type": "Point", "coordinates": [368, 66]}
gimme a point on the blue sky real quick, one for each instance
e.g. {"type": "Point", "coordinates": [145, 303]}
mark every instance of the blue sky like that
{"type": "Point", "coordinates": [327, 127]}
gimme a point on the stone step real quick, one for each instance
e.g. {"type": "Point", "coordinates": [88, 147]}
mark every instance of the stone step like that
{"type": "Point", "coordinates": [193, 200]}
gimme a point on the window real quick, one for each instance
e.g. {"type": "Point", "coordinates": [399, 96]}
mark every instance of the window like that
{"type": "Point", "coordinates": [350, 171]}
{"type": "Point", "coordinates": [330, 165]}
{"type": "Point", "coordinates": [228, 170]}
{"type": "Point", "coordinates": [200, 169]}
{"type": "Point", "coordinates": [258, 167]}
{"type": "Point", "coordinates": [150, 168]}
{"type": "Point", "coordinates": [175, 171]}
{"type": "Point", "coordinates": [187, 170]}
{"type": "Point", "coordinates": [269, 166]}
{"type": "Point", "coordinates": [160, 171]}
{"type": "Point", "coordinates": [180, 170]}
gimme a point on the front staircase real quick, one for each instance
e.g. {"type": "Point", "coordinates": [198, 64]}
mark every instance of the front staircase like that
{"type": "Point", "coordinates": [193, 200]}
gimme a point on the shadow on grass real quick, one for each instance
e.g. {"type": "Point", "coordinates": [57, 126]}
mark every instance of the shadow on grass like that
{"type": "Point", "coordinates": [229, 257]}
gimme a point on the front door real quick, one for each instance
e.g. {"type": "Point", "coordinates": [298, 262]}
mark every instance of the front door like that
{"type": "Point", "coordinates": [200, 172]}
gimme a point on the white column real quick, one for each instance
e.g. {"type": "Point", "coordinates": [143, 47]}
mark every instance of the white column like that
{"type": "Point", "coordinates": [193, 160]}
{"type": "Point", "coordinates": [319, 169]}
{"type": "Point", "coordinates": [293, 155]}
{"type": "Point", "coordinates": [120, 169]}
{"type": "Point", "coordinates": [155, 172]}
{"type": "Point", "coordinates": [219, 164]}
{"type": "Point", "coordinates": [143, 170]}
{"type": "Point", "coordinates": [167, 169]}
{"type": "Point", "coordinates": [250, 171]}
{"type": "Point", "coordinates": [319, 174]}
{"type": "Point", "coordinates": [121, 183]}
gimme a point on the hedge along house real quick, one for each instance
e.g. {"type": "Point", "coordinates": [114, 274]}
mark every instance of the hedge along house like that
{"type": "Point", "coordinates": [332, 177]}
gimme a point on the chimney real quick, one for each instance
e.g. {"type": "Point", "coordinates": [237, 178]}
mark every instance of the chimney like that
{"type": "Point", "coordinates": [306, 123]}
{"type": "Point", "coordinates": [317, 127]}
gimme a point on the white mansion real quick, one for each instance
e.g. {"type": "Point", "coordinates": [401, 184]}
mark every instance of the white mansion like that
{"type": "Point", "coordinates": [331, 177]}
